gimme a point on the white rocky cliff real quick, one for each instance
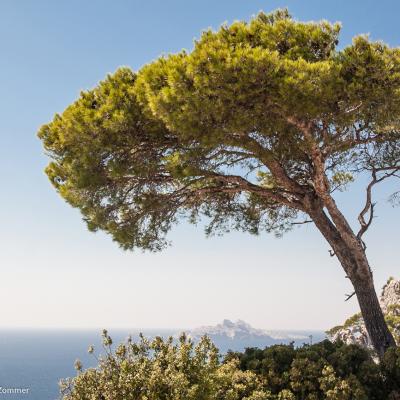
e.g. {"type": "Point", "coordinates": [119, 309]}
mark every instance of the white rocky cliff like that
{"type": "Point", "coordinates": [353, 331]}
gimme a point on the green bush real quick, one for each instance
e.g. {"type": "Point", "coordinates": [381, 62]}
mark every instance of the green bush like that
{"type": "Point", "coordinates": [161, 369]}
{"type": "Point", "coordinates": [391, 369]}
{"type": "Point", "coordinates": [324, 370]}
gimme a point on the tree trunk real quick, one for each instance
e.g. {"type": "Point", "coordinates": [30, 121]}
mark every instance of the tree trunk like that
{"type": "Point", "coordinates": [354, 261]}
{"type": "Point", "coordinates": [373, 317]}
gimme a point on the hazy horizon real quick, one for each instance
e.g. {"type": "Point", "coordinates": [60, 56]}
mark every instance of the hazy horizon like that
{"type": "Point", "coordinates": [147, 328]}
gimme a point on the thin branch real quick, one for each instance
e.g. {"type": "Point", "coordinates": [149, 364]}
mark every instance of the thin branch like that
{"type": "Point", "coordinates": [307, 221]}
{"type": "Point", "coordinates": [349, 296]}
{"type": "Point", "coordinates": [365, 222]}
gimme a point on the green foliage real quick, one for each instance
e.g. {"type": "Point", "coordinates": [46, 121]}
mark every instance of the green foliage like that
{"type": "Point", "coordinates": [392, 318]}
{"type": "Point", "coordinates": [180, 370]}
{"type": "Point", "coordinates": [331, 332]}
{"type": "Point", "coordinates": [391, 369]}
{"type": "Point", "coordinates": [106, 154]}
{"type": "Point", "coordinates": [161, 369]}
{"type": "Point", "coordinates": [390, 279]}
{"type": "Point", "coordinates": [219, 131]}
{"type": "Point", "coordinates": [273, 364]}
{"type": "Point", "coordinates": [341, 179]}
{"type": "Point", "coordinates": [355, 319]}
{"type": "Point", "coordinates": [322, 371]}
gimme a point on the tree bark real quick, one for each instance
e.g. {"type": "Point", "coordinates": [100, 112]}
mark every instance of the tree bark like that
{"type": "Point", "coordinates": [371, 311]}
{"type": "Point", "coordinates": [354, 261]}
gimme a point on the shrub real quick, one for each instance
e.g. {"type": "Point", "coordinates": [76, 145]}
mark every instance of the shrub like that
{"type": "Point", "coordinates": [165, 370]}
{"type": "Point", "coordinates": [324, 370]}
{"type": "Point", "coordinates": [391, 370]}
{"type": "Point", "coordinates": [171, 369]}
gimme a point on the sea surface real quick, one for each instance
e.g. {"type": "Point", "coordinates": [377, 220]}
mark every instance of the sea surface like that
{"type": "Point", "coordinates": [37, 359]}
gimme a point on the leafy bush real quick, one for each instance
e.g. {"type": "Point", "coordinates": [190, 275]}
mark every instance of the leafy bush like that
{"type": "Point", "coordinates": [325, 370]}
{"type": "Point", "coordinates": [164, 370]}
{"type": "Point", "coordinates": [161, 369]}
{"type": "Point", "coordinates": [391, 369]}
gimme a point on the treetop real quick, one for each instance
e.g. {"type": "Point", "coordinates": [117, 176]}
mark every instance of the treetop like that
{"type": "Point", "coordinates": [240, 129]}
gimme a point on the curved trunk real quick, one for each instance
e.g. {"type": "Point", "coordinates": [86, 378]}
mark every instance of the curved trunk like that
{"type": "Point", "coordinates": [355, 263]}
{"type": "Point", "coordinates": [373, 317]}
{"type": "Point", "coordinates": [347, 246]}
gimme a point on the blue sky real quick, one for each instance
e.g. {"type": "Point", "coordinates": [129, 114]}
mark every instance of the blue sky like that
{"type": "Point", "coordinates": [56, 274]}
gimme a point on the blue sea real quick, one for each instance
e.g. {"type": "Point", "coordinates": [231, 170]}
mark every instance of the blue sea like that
{"type": "Point", "coordinates": [37, 359]}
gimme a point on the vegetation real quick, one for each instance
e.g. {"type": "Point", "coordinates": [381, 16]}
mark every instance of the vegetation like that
{"type": "Point", "coordinates": [159, 369]}
{"type": "Point", "coordinates": [355, 319]}
{"type": "Point", "coordinates": [256, 129]}
{"type": "Point", "coordinates": [393, 321]}
{"type": "Point", "coordinates": [166, 370]}
{"type": "Point", "coordinates": [392, 318]}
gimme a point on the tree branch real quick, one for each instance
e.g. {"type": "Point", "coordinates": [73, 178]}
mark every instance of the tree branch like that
{"type": "Point", "coordinates": [307, 221]}
{"type": "Point", "coordinates": [349, 296]}
{"type": "Point", "coordinates": [243, 184]}
{"type": "Point", "coordinates": [267, 158]}
{"type": "Point", "coordinates": [365, 222]}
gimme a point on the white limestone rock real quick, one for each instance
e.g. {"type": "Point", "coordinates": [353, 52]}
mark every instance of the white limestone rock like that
{"type": "Point", "coordinates": [353, 331]}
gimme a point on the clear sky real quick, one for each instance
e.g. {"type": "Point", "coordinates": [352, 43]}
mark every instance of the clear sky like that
{"type": "Point", "coordinates": [54, 273]}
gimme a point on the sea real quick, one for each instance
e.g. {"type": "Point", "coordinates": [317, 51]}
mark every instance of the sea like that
{"type": "Point", "coordinates": [36, 360]}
